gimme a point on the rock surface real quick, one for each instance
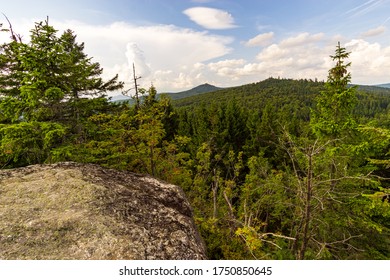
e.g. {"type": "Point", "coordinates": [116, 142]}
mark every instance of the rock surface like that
{"type": "Point", "coordinates": [83, 211]}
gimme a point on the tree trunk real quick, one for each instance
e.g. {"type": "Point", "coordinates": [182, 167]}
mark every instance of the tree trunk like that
{"type": "Point", "coordinates": [307, 214]}
{"type": "Point", "coordinates": [215, 193]}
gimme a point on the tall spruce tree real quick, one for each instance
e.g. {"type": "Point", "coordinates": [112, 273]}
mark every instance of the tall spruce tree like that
{"type": "Point", "coordinates": [332, 117]}
{"type": "Point", "coordinates": [42, 85]}
{"type": "Point", "coordinates": [44, 79]}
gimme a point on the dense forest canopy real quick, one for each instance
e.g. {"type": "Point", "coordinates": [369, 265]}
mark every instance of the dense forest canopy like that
{"type": "Point", "coordinates": [279, 169]}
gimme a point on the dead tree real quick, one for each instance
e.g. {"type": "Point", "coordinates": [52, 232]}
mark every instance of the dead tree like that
{"type": "Point", "coordinates": [136, 96]}
{"type": "Point", "coordinates": [14, 36]}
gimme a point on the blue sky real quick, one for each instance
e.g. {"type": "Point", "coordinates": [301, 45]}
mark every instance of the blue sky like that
{"type": "Point", "coordinates": [179, 44]}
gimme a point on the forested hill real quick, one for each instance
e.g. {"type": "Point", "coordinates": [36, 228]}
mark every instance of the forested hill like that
{"type": "Point", "coordinates": [257, 144]}
{"type": "Point", "coordinates": [239, 115]}
{"type": "Point", "coordinates": [384, 85]}
{"type": "Point", "coordinates": [204, 88]}
{"type": "Point", "coordinates": [282, 92]}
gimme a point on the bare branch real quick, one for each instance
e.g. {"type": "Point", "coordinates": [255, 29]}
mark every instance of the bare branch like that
{"type": "Point", "coordinates": [344, 241]}
{"type": "Point", "coordinates": [275, 235]}
{"type": "Point", "coordinates": [229, 204]}
{"type": "Point", "coordinates": [15, 37]}
{"type": "Point", "coordinates": [361, 177]}
{"type": "Point", "coordinates": [319, 200]}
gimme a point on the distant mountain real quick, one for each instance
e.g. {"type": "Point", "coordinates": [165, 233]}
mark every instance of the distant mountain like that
{"type": "Point", "coordinates": [205, 88]}
{"type": "Point", "coordinates": [384, 85]}
{"type": "Point", "coordinates": [119, 98]}
{"type": "Point", "coordinates": [382, 89]}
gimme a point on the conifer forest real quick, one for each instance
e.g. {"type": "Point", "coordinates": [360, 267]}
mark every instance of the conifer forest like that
{"type": "Point", "coordinates": [278, 169]}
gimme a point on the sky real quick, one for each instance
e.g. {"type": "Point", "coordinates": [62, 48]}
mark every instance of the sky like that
{"type": "Point", "coordinates": [179, 44]}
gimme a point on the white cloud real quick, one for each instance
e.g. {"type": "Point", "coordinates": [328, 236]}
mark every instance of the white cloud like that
{"type": "Point", "coordinates": [210, 18]}
{"type": "Point", "coordinates": [228, 63]}
{"type": "Point", "coordinates": [165, 55]}
{"type": "Point", "coordinates": [135, 56]}
{"type": "Point", "coordinates": [178, 58]}
{"type": "Point", "coordinates": [226, 68]}
{"type": "Point", "coordinates": [272, 52]}
{"type": "Point", "coordinates": [156, 50]}
{"type": "Point", "coordinates": [308, 57]}
{"type": "Point", "coordinates": [370, 62]}
{"type": "Point", "coordinates": [301, 39]}
{"type": "Point", "coordinates": [181, 80]}
{"type": "Point", "coordinates": [260, 40]}
{"type": "Point", "coordinates": [374, 32]}
{"type": "Point", "coordinates": [300, 56]}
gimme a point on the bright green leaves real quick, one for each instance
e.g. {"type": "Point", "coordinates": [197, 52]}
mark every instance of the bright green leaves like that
{"type": "Point", "coordinates": [130, 138]}
{"type": "Point", "coordinates": [29, 142]}
{"type": "Point", "coordinates": [333, 115]}
{"type": "Point", "coordinates": [264, 206]}
{"type": "Point", "coordinates": [11, 109]}
{"type": "Point", "coordinates": [250, 237]}
{"type": "Point", "coordinates": [54, 94]}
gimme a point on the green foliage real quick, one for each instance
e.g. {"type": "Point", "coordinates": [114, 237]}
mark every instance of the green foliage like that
{"type": "Point", "coordinates": [280, 169]}
{"type": "Point", "coordinates": [298, 193]}
{"type": "Point", "coordinates": [41, 88]}
{"type": "Point", "coordinates": [333, 115]}
{"type": "Point", "coordinates": [45, 78]}
{"type": "Point", "coordinates": [29, 142]}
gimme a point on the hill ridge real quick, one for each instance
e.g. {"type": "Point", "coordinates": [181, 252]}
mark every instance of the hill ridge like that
{"type": "Point", "coordinates": [200, 89]}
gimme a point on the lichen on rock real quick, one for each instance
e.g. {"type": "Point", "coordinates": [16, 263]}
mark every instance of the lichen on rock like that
{"type": "Point", "coordinates": [84, 211]}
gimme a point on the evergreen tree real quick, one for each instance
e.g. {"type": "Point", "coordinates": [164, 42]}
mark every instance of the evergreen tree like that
{"type": "Point", "coordinates": [333, 117]}
{"type": "Point", "coordinates": [42, 85]}
{"type": "Point", "coordinates": [45, 78]}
